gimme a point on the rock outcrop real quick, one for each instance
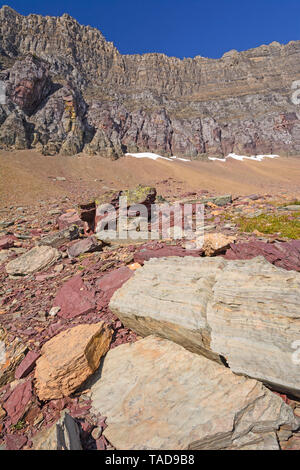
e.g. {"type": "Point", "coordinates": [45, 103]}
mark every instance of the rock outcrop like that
{"type": "Point", "coordinates": [168, 398]}
{"type": "Point", "coordinates": [195, 107]}
{"type": "Point", "coordinates": [244, 312]}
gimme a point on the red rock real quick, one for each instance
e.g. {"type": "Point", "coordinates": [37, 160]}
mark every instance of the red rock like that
{"type": "Point", "coordinates": [14, 441]}
{"type": "Point", "coordinates": [161, 252]}
{"type": "Point", "coordinates": [284, 255]}
{"type": "Point", "coordinates": [68, 219]}
{"type": "Point", "coordinates": [27, 365]}
{"type": "Point", "coordinates": [112, 281]}
{"type": "Point", "coordinates": [7, 242]}
{"type": "Point", "coordinates": [17, 403]}
{"type": "Point", "coordinates": [74, 298]}
{"type": "Point", "coordinates": [87, 245]}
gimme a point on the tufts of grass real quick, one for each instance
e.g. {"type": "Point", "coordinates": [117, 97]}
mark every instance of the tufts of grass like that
{"type": "Point", "coordinates": [17, 427]}
{"type": "Point", "coordinates": [284, 225]}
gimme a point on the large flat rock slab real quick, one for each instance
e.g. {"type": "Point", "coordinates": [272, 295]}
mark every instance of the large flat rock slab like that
{"type": "Point", "coordinates": [166, 397]}
{"type": "Point", "coordinates": [247, 312]}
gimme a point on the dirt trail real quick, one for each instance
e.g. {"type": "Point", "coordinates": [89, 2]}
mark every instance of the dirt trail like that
{"type": "Point", "coordinates": [26, 176]}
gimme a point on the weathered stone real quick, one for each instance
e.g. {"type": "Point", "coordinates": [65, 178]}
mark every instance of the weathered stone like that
{"type": "Point", "coordinates": [15, 441]}
{"type": "Point", "coordinates": [112, 281]}
{"type": "Point", "coordinates": [140, 195]}
{"type": "Point", "coordinates": [68, 219]}
{"type": "Point", "coordinates": [284, 255]}
{"type": "Point", "coordinates": [27, 365]}
{"type": "Point", "coordinates": [219, 200]}
{"type": "Point", "coordinates": [74, 298]}
{"type": "Point", "coordinates": [145, 254]}
{"type": "Point", "coordinates": [216, 243]}
{"type": "Point", "coordinates": [59, 238]}
{"type": "Point", "coordinates": [63, 435]}
{"type": "Point", "coordinates": [168, 398]}
{"type": "Point", "coordinates": [12, 352]}
{"type": "Point", "coordinates": [295, 207]}
{"type": "Point", "coordinates": [38, 259]}
{"type": "Point", "coordinates": [244, 311]}
{"type": "Point", "coordinates": [87, 245]}
{"type": "Point", "coordinates": [214, 200]}
{"type": "Point", "coordinates": [7, 242]}
{"type": "Point", "coordinates": [69, 358]}
{"type": "Point", "coordinates": [18, 402]}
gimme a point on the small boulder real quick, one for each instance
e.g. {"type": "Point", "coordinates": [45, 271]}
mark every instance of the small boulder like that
{"type": "Point", "coordinates": [59, 238]}
{"type": "Point", "coordinates": [7, 242]}
{"type": "Point", "coordinates": [37, 259]}
{"type": "Point", "coordinates": [216, 243]}
{"type": "Point", "coordinates": [87, 245]}
{"type": "Point", "coordinates": [74, 298]}
{"type": "Point", "coordinates": [69, 218]}
{"type": "Point", "coordinates": [69, 358]}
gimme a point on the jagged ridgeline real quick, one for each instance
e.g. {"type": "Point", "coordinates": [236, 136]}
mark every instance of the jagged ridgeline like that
{"type": "Point", "coordinates": [69, 90]}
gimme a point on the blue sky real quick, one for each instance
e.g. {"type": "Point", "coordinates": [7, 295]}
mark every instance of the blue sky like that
{"type": "Point", "coordinates": [181, 28]}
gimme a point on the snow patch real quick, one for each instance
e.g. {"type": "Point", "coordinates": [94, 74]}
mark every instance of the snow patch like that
{"type": "Point", "coordinates": [182, 159]}
{"type": "Point", "coordinates": [151, 156]}
{"type": "Point", "coordinates": [154, 156]}
{"type": "Point", "coordinates": [257, 158]}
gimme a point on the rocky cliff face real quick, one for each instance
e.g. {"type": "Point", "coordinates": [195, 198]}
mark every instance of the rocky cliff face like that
{"type": "Point", "coordinates": [69, 90]}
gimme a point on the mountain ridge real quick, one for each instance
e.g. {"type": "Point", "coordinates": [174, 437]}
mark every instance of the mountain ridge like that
{"type": "Point", "coordinates": [192, 107]}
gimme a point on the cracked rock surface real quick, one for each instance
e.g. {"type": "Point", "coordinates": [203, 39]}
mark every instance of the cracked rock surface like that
{"type": "Point", "coordinates": [246, 311]}
{"type": "Point", "coordinates": [169, 398]}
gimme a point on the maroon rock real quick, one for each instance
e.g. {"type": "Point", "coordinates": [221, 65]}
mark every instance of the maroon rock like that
{"type": "Point", "coordinates": [7, 242]}
{"type": "Point", "coordinates": [74, 298]}
{"type": "Point", "coordinates": [17, 403]}
{"type": "Point", "coordinates": [114, 279]}
{"type": "Point", "coordinates": [161, 252]}
{"type": "Point", "coordinates": [15, 441]}
{"type": "Point", "coordinates": [282, 254]}
{"type": "Point", "coordinates": [87, 245]}
{"type": "Point", "coordinates": [68, 219]}
{"type": "Point", "coordinates": [27, 365]}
